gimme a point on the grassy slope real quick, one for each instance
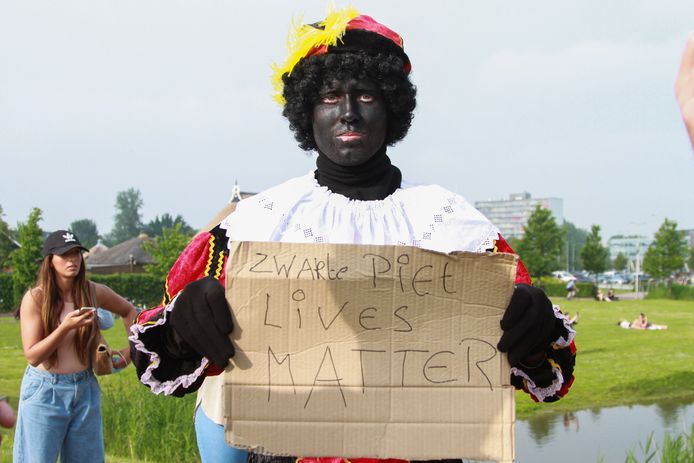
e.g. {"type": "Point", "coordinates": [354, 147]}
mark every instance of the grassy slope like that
{"type": "Point", "coordinates": [619, 366]}
{"type": "Point", "coordinates": [615, 366]}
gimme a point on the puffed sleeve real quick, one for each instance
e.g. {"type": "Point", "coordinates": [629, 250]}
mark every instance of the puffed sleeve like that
{"type": "Point", "coordinates": [160, 363]}
{"type": "Point", "coordinates": [552, 378]}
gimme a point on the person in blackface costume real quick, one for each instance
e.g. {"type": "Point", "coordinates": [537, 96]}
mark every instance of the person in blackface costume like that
{"type": "Point", "coordinates": [346, 92]}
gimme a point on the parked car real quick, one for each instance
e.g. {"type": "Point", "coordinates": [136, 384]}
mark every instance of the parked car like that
{"type": "Point", "coordinates": [614, 278]}
{"type": "Point", "coordinates": [563, 275]}
{"type": "Point", "coordinates": [584, 277]}
{"type": "Point", "coordinates": [617, 278]}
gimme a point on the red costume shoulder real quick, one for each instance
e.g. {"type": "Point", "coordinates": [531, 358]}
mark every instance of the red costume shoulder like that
{"type": "Point", "coordinates": [522, 275]}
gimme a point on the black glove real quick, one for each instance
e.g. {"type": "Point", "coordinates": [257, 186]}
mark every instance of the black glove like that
{"type": "Point", "coordinates": [200, 323]}
{"type": "Point", "coordinates": [528, 324]}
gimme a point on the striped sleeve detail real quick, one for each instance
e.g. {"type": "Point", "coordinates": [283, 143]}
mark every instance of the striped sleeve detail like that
{"type": "Point", "coordinates": [205, 255]}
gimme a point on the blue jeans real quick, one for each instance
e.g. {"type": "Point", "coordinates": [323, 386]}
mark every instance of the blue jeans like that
{"type": "Point", "coordinates": [58, 415]}
{"type": "Point", "coordinates": [211, 444]}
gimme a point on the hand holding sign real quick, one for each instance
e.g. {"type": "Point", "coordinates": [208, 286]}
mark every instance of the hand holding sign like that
{"type": "Point", "coordinates": [201, 323]}
{"type": "Point", "coordinates": [528, 324]}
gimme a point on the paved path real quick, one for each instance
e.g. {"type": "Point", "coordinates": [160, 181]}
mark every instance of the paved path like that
{"type": "Point", "coordinates": [631, 296]}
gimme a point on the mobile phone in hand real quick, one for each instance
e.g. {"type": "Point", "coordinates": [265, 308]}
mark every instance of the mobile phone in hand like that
{"type": "Point", "coordinates": [87, 309]}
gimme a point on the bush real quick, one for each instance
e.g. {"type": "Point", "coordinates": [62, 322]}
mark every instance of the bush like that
{"type": "Point", "coordinates": [6, 297]}
{"type": "Point", "coordinates": [678, 292]}
{"type": "Point", "coordinates": [139, 288]}
{"type": "Point", "coordinates": [557, 288]}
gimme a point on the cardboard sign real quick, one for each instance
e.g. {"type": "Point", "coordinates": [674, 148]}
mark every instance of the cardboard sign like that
{"type": "Point", "coordinates": [368, 351]}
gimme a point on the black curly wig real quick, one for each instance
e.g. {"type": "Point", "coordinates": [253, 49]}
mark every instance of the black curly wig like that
{"type": "Point", "coordinates": [301, 89]}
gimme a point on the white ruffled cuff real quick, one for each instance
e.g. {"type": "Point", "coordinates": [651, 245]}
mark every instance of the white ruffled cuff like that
{"type": "Point", "coordinates": [562, 342]}
{"type": "Point", "coordinates": [147, 378]}
{"type": "Point", "coordinates": [541, 393]}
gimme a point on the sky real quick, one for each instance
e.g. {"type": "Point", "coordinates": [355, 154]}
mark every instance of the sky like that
{"type": "Point", "coordinates": [558, 99]}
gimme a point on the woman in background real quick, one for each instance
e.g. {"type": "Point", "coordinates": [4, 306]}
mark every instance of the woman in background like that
{"type": "Point", "coordinates": [59, 411]}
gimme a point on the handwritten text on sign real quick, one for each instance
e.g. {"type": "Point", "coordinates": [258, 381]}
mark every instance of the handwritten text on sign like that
{"type": "Point", "coordinates": [333, 331]}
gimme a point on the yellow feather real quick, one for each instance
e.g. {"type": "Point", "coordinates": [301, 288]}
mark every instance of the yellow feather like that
{"type": "Point", "coordinates": [303, 38]}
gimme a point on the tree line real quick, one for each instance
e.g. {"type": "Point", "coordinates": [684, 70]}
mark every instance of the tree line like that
{"type": "Point", "coordinates": [20, 248]}
{"type": "Point", "coordinates": [544, 248]}
{"type": "Point", "coordinates": [127, 222]}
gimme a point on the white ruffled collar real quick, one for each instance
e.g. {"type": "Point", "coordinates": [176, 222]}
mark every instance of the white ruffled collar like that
{"type": "Point", "coordinates": [301, 210]}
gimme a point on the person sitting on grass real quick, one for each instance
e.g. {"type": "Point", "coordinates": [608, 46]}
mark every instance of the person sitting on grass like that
{"type": "Point", "coordinates": [600, 296]}
{"type": "Point", "coordinates": [611, 295]}
{"type": "Point", "coordinates": [642, 323]}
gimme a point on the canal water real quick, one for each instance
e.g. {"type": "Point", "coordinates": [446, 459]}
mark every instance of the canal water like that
{"type": "Point", "coordinates": [605, 434]}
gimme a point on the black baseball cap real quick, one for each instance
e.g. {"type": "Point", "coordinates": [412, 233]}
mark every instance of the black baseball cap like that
{"type": "Point", "coordinates": [61, 241]}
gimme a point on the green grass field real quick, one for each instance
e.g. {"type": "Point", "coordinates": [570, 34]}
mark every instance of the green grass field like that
{"type": "Point", "coordinates": [614, 366]}
{"type": "Point", "coordinates": [617, 366]}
